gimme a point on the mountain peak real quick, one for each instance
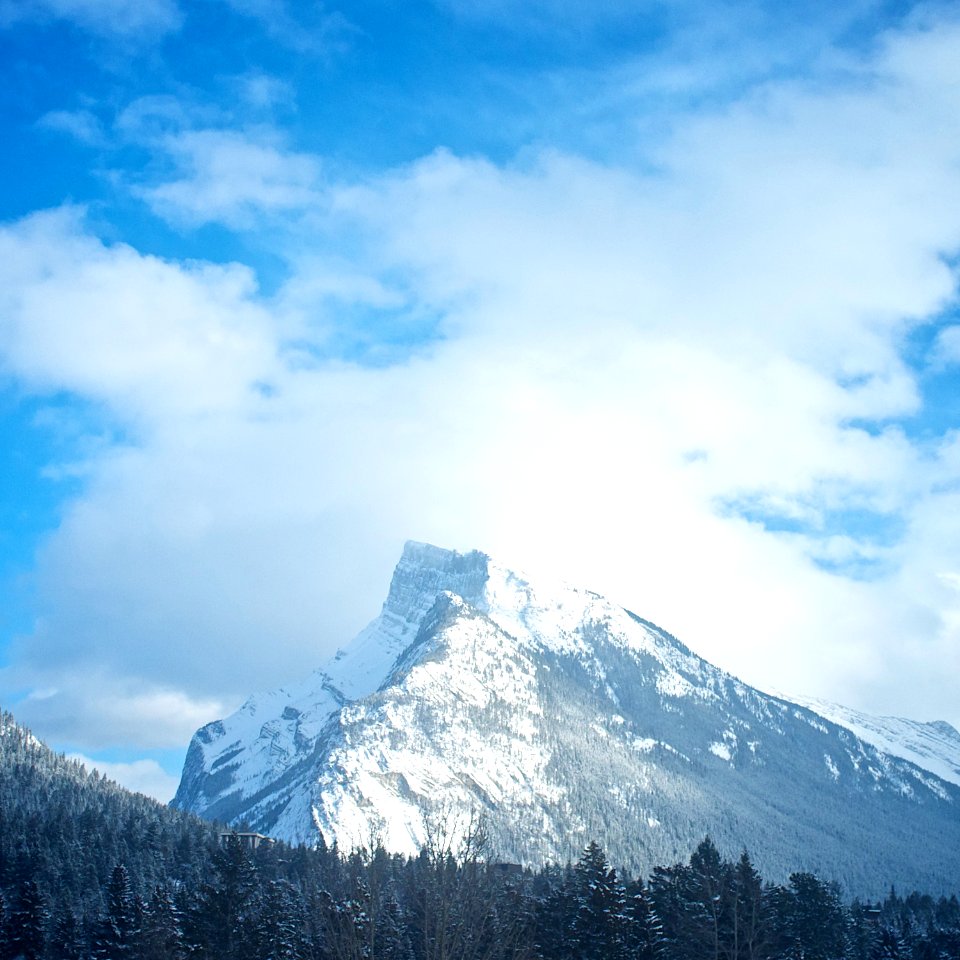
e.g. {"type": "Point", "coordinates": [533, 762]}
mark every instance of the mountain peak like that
{"type": "Point", "coordinates": [945, 729]}
{"type": "Point", "coordinates": [561, 717]}
{"type": "Point", "coordinates": [424, 571]}
{"type": "Point", "coordinates": [430, 555]}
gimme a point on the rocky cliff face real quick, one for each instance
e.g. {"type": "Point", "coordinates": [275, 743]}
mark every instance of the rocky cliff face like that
{"type": "Point", "coordinates": [560, 717]}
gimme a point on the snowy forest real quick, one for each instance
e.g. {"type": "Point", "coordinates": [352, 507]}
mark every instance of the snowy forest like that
{"type": "Point", "coordinates": [88, 870]}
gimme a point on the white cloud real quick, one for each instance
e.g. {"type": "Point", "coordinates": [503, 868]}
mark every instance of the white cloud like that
{"type": "Point", "coordinates": [947, 347]}
{"type": "Point", "coordinates": [147, 337]}
{"type": "Point", "coordinates": [618, 356]}
{"type": "Point", "coordinates": [158, 118]}
{"type": "Point", "coordinates": [82, 125]}
{"type": "Point", "coordinates": [141, 776]}
{"type": "Point", "coordinates": [265, 92]}
{"type": "Point", "coordinates": [73, 701]}
{"type": "Point", "coordinates": [233, 178]}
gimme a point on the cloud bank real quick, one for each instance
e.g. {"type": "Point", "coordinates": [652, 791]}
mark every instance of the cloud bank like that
{"type": "Point", "coordinates": [688, 382]}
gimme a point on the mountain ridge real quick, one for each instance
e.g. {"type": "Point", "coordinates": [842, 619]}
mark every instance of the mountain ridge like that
{"type": "Point", "coordinates": [562, 717]}
{"type": "Point", "coordinates": [933, 745]}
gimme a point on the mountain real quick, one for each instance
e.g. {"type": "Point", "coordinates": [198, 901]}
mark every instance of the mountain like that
{"type": "Point", "coordinates": [559, 717]}
{"type": "Point", "coordinates": [933, 746]}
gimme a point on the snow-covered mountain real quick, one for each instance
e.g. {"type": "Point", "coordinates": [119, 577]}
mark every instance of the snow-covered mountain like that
{"type": "Point", "coordinates": [560, 718]}
{"type": "Point", "coordinates": [932, 746]}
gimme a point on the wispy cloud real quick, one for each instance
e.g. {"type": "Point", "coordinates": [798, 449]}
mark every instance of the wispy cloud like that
{"type": "Point", "coordinates": [233, 178]}
{"type": "Point", "coordinates": [947, 348]}
{"type": "Point", "coordinates": [126, 18]}
{"type": "Point", "coordinates": [309, 28]}
{"type": "Point", "coordinates": [82, 125]}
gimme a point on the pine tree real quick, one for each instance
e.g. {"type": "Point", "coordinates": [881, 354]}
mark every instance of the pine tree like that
{"type": "Point", "coordinates": [642, 934]}
{"type": "Point", "coordinates": [190, 906]}
{"type": "Point", "coordinates": [281, 925]}
{"type": "Point", "coordinates": [751, 921]}
{"type": "Point", "coordinates": [393, 938]}
{"type": "Point", "coordinates": [710, 901]}
{"type": "Point", "coordinates": [26, 935]}
{"type": "Point", "coordinates": [162, 928]}
{"type": "Point", "coordinates": [890, 945]}
{"type": "Point", "coordinates": [667, 891]}
{"type": "Point", "coordinates": [231, 904]}
{"type": "Point", "coordinates": [554, 918]}
{"type": "Point", "coordinates": [66, 940]}
{"type": "Point", "coordinates": [811, 918]}
{"type": "Point", "coordinates": [599, 928]}
{"type": "Point", "coordinates": [862, 931]}
{"type": "Point", "coordinates": [119, 933]}
{"type": "Point", "coordinates": [696, 906]}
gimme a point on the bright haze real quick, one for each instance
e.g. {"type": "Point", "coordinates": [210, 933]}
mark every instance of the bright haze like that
{"type": "Point", "coordinates": [660, 298]}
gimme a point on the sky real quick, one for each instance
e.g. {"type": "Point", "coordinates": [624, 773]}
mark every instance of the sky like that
{"type": "Point", "coordinates": [657, 297]}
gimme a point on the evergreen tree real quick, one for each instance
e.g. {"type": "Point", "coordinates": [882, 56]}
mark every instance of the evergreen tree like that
{"type": "Point", "coordinates": [709, 897]}
{"type": "Point", "coordinates": [231, 904]}
{"type": "Point", "coordinates": [812, 919]}
{"type": "Point", "coordinates": [190, 907]}
{"type": "Point", "coordinates": [599, 926]}
{"type": "Point", "coordinates": [281, 925]}
{"type": "Point", "coordinates": [554, 916]}
{"type": "Point", "coordinates": [26, 936]}
{"type": "Point", "coordinates": [667, 890]}
{"type": "Point", "coordinates": [695, 905]}
{"type": "Point", "coordinates": [119, 933]}
{"type": "Point", "coordinates": [66, 938]}
{"type": "Point", "coordinates": [163, 937]}
{"type": "Point", "coordinates": [862, 931]}
{"type": "Point", "coordinates": [751, 934]}
{"type": "Point", "coordinates": [890, 945]}
{"type": "Point", "coordinates": [642, 935]}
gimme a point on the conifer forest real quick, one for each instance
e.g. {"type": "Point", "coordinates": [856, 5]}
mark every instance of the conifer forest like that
{"type": "Point", "coordinates": [88, 870]}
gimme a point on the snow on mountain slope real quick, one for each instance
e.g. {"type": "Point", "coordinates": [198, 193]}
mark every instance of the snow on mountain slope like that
{"type": "Point", "coordinates": [241, 755]}
{"type": "Point", "coordinates": [933, 746]}
{"type": "Point", "coordinates": [233, 760]}
{"type": "Point", "coordinates": [561, 718]}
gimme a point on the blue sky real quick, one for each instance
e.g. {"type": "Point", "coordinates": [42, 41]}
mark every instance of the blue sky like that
{"type": "Point", "coordinates": [658, 297]}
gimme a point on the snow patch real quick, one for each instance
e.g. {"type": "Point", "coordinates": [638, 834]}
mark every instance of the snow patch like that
{"type": "Point", "coordinates": [671, 684]}
{"type": "Point", "coordinates": [721, 750]}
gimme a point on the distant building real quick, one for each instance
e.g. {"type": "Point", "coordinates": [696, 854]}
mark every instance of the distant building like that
{"type": "Point", "coordinates": [249, 841]}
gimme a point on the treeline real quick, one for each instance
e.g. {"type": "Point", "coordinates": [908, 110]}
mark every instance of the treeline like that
{"type": "Point", "coordinates": [89, 871]}
{"type": "Point", "coordinates": [281, 903]}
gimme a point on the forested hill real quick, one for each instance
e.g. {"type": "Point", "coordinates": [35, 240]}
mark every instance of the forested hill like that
{"type": "Point", "coordinates": [91, 872]}
{"type": "Point", "coordinates": [66, 828]}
